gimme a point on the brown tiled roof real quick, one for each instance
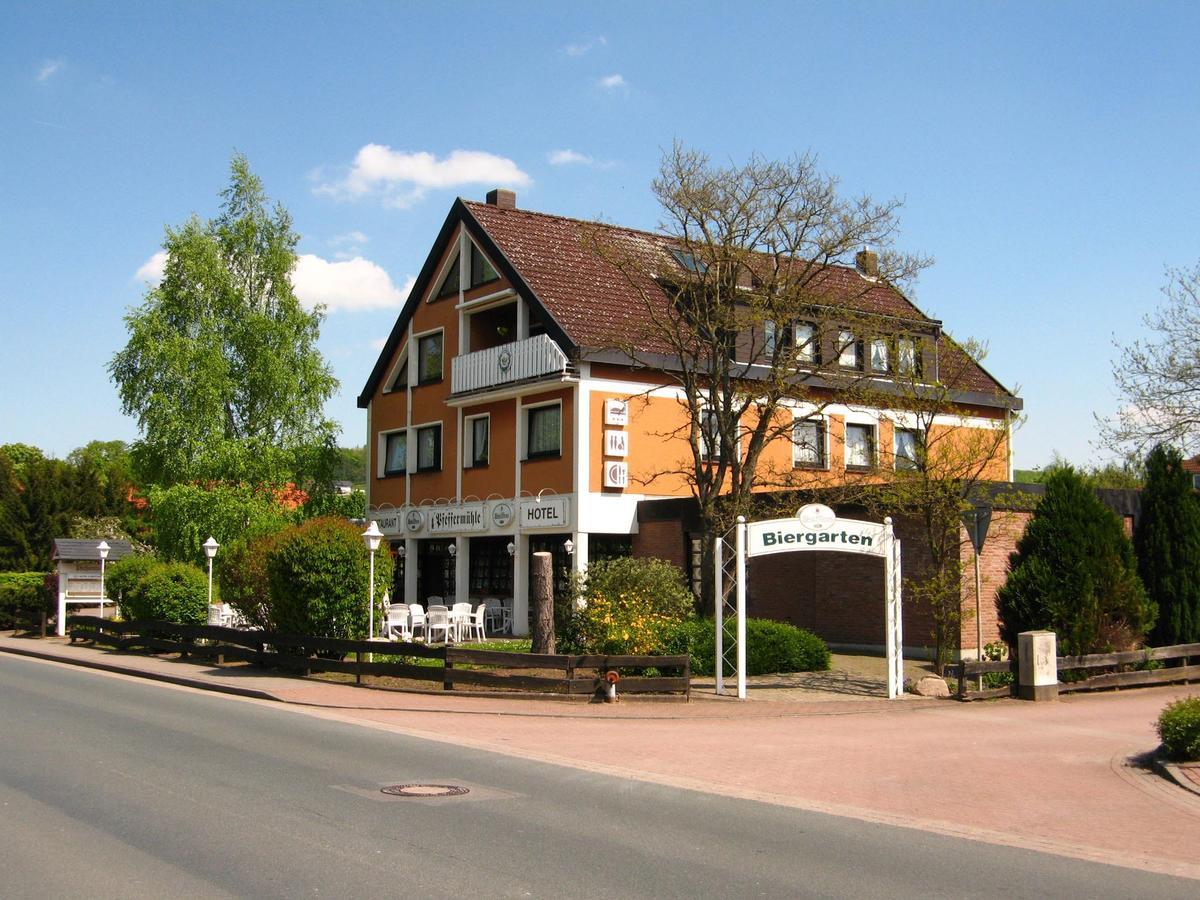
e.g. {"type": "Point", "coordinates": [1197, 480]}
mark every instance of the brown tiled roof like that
{"type": "Point", "coordinates": [595, 302]}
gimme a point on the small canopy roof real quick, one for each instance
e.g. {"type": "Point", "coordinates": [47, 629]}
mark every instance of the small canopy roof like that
{"type": "Point", "coordinates": [69, 548]}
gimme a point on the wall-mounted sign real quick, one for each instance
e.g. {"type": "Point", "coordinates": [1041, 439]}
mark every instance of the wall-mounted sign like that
{"type": "Point", "coordinates": [390, 522]}
{"type": "Point", "coordinates": [547, 512]}
{"type": "Point", "coordinates": [616, 443]}
{"type": "Point", "coordinates": [502, 514]}
{"type": "Point", "coordinates": [616, 412]}
{"type": "Point", "coordinates": [414, 520]}
{"type": "Point", "coordinates": [455, 519]}
{"type": "Point", "coordinates": [616, 474]}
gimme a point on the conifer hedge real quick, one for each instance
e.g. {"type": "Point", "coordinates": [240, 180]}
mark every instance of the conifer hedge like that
{"type": "Point", "coordinates": [1167, 541]}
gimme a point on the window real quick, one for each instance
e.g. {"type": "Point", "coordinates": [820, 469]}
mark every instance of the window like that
{"type": "Point", "coordinates": [860, 446]}
{"type": "Point", "coordinates": [1196, 482]}
{"type": "Point", "coordinates": [476, 446]}
{"type": "Point", "coordinates": [770, 341]}
{"type": "Point", "coordinates": [481, 270]}
{"type": "Point", "coordinates": [710, 436]}
{"type": "Point", "coordinates": [805, 339]}
{"type": "Point", "coordinates": [848, 350]}
{"type": "Point", "coordinates": [907, 442]}
{"type": "Point", "coordinates": [449, 283]}
{"type": "Point", "coordinates": [906, 356]}
{"type": "Point", "coordinates": [880, 357]}
{"type": "Point", "coordinates": [429, 448]}
{"type": "Point", "coordinates": [544, 437]}
{"type": "Point", "coordinates": [400, 382]}
{"type": "Point", "coordinates": [808, 444]}
{"type": "Point", "coordinates": [395, 453]}
{"type": "Point", "coordinates": [690, 262]}
{"type": "Point", "coordinates": [429, 358]}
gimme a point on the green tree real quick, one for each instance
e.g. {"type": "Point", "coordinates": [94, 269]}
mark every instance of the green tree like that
{"type": "Point", "coordinates": [221, 368]}
{"type": "Point", "coordinates": [1167, 541]}
{"type": "Point", "coordinates": [1074, 573]}
{"type": "Point", "coordinates": [186, 515]}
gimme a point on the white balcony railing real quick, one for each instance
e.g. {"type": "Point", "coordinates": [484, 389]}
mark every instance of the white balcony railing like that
{"type": "Point", "coordinates": [507, 364]}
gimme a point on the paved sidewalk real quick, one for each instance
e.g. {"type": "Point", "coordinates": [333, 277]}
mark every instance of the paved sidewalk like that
{"type": "Point", "coordinates": [1055, 777]}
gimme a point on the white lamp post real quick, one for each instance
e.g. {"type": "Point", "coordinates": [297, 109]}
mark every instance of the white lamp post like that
{"type": "Point", "coordinates": [210, 550]}
{"type": "Point", "coordinates": [102, 548]}
{"type": "Point", "coordinates": [371, 537]}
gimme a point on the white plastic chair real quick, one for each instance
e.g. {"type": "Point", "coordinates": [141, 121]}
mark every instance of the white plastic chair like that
{"type": "Point", "coordinates": [396, 623]}
{"type": "Point", "coordinates": [475, 630]}
{"type": "Point", "coordinates": [215, 614]}
{"type": "Point", "coordinates": [438, 620]}
{"type": "Point", "coordinates": [416, 616]}
{"type": "Point", "coordinates": [460, 618]}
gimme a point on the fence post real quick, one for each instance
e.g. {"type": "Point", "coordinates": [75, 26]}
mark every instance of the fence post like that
{"type": "Point", "coordinates": [358, 667]}
{"type": "Point", "coordinates": [962, 679]}
{"type": "Point", "coordinates": [447, 665]}
{"type": "Point", "coordinates": [1037, 665]}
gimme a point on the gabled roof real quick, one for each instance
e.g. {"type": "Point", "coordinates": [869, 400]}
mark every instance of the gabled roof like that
{"type": "Point", "coordinates": [69, 548]}
{"type": "Point", "coordinates": [588, 302]}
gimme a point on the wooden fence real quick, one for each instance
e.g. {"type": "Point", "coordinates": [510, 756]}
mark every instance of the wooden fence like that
{"type": "Point", "coordinates": [450, 665]}
{"type": "Point", "coordinates": [1132, 668]}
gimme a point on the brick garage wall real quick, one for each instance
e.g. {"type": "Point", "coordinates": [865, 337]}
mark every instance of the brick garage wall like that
{"type": "Point", "coordinates": [661, 540]}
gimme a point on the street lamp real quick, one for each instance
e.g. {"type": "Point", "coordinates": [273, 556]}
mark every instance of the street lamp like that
{"type": "Point", "coordinates": [210, 550]}
{"type": "Point", "coordinates": [102, 548]}
{"type": "Point", "coordinates": [371, 537]}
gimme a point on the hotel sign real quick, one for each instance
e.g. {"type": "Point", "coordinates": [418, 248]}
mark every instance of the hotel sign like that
{"type": "Point", "coordinates": [547, 512]}
{"type": "Point", "coordinates": [816, 527]}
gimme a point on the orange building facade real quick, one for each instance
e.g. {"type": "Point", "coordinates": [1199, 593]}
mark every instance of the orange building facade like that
{"type": "Point", "coordinates": [499, 423]}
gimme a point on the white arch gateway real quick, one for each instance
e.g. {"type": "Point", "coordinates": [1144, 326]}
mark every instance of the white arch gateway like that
{"type": "Point", "coordinates": [814, 527]}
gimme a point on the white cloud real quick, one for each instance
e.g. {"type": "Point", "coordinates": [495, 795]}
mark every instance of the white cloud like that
{"type": "Point", "coordinates": [582, 48]}
{"type": "Point", "coordinates": [403, 178]}
{"type": "Point", "coordinates": [613, 82]}
{"type": "Point", "coordinates": [354, 284]}
{"type": "Point", "coordinates": [49, 68]}
{"type": "Point", "coordinates": [152, 269]}
{"type": "Point", "coordinates": [567, 157]}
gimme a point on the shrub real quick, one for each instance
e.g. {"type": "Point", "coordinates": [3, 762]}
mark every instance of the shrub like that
{"type": "Point", "coordinates": [23, 598]}
{"type": "Point", "coordinates": [170, 592]}
{"type": "Point", "coordinates": [770, 646]}
{"type": "Point", "coordinates": [1179, 728]}
{"type": "Point", "coordinates": [123, 580]}
{"type": "Point", "coordinates": [328, 503]}
{"type": "Point", "coordinates": [242, 574]}
{"type": "Point", "coordinates": [1073, 572]}
{"type": "Point", "coordinates": [632, 605]}
{"type": "Point", "coordinates": [318, 577]}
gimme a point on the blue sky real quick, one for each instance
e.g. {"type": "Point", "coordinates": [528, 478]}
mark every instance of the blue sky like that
{"type": "Point", "coordinates": [1046, 155]}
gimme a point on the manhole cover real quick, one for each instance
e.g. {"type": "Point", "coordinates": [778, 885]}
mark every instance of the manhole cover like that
{"type": "Point", "coordinates": [424, 790]}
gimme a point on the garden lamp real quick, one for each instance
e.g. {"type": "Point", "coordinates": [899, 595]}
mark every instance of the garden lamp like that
{"type": "Point", "coordinates": [371, 537]}
{"type": "Point", "coordinates": [102, 548]}
{"type": "Point", "coordinates": [210, 550]}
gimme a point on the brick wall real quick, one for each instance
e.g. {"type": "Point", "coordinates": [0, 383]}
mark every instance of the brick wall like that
{"type": "Point", "coordinates": [1006, 527]}
{"type": "Point", "coordinates": [661, 540]}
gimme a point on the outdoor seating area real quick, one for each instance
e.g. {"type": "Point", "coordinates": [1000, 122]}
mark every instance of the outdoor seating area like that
{"type": "Point", "coordinates": [437, 623]}
{"type": "Point", "coordinates": [226, 616]}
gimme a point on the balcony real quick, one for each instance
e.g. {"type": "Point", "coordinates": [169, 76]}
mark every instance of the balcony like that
{"type": "Point", "coordinates": [507, 364]}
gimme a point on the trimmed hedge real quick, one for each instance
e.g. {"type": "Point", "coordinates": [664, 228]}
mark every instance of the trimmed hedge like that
{"type": "Point", "coordinates": [23, 598]}
{"type": "Point", "coordinates": [1179, 729]}
{"type": "Point", "coordinates": [123, 580]}
{"type": "Point", "coordinates": [165, 592]}
{"type": "Point", "coordinates": [243, 578]}
{"type": "Point", "coordinates": [771, 647]}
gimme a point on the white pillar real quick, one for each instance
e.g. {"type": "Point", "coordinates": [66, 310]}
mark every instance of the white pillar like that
{"type": "Point", "coordinates": [462, 569]}
{"type": "Point", "coordinates": [520, 608]}
{"type": "Point", "coordinates": [410, 572]}
{"type": "Point", "coordinates": [579, 557]}
{"type": "Point", "coordinates": [61, 626]}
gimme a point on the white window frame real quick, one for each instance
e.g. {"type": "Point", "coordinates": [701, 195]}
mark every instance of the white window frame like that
{"type": "Point", "coordinates": [848, 347]}
{"type": "Point", "coordinates": [414, 377]}
{"type": "Point", "coordinates": [873, 428]}
{"type": "Point", "coordinates": [896, 432]}
{"type": "Point", "coordinates": [912, 365]}
{"type": "Point", "coordinates": [414, 440]}
{"type": "Point", "coordinates": [876, 344]}
{"type": "Point", "coordinates": [381, 460]}
{"type": "Point", "coordinates": [806, 350]}
{"type": "Point", "coordinates": [468, 440]}
{"type": "Point", "coordinates": [443, 274]}
{"type": "Point", "coordinates": [822, 424]}
{"type": "Point", "coordinates": [525, 411]}
{"type": "Point", "coordinates": [392, 386]}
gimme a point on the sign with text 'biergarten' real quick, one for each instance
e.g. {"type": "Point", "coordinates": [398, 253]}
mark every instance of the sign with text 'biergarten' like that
{"type": "Point", "coordinates": [816, 527]}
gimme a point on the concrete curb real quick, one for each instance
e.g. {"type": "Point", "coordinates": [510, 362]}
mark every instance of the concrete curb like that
{"type": "Point", "coordinates": [134, 672]}
{"type": "Point", "coordinates": [1172, 772]}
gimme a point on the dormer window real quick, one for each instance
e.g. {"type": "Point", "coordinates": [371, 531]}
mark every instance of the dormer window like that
{"type": "Point", "coordinates": [806, 342]}
{"type": "Point", "coordinates": [906, 356]}
{"type": "Point", "coordinates": [880, 356]}
{"type": "Point", "coordinates": [481, 270]}
{"type": "Point", "coordinates": [449, 286]}
{"type": "Point", "coordinates": [849, 356]}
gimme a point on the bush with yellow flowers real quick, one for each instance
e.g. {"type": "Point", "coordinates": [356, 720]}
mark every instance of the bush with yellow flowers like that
{"type": "Point", "coordinates": [629, 605]}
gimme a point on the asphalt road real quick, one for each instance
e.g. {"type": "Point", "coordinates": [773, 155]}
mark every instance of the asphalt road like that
{"type": "Point", "coordinates": [114, 788]}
